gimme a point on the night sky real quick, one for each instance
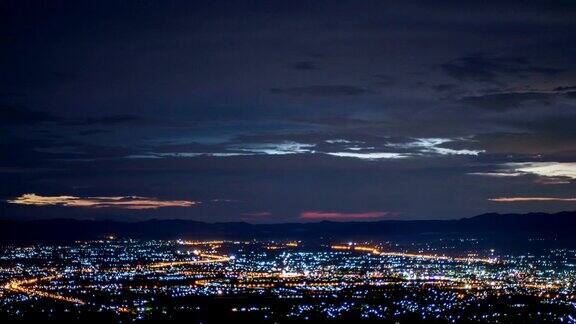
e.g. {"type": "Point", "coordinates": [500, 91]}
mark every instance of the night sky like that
{"type": "Point", "coordinates": [286, 111]}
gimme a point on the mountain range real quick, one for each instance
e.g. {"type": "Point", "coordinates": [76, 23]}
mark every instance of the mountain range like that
{"type": "Point", "coordinates": [533, 226]}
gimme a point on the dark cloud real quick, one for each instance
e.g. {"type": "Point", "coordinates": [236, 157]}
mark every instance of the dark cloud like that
{"type": "Point", "coordinates": [107, 120]}
{"type": "Point", "coordinates": [526, 144]}
{"type": "Point", "coordinates": [505, 101]}
{"type": "Point", "coordinates": [502, 101]}
{"type": "Point", "coordinates": [444, 87]}
{"type": "Point", "coordinates": [384, 80]}
{"type": "Point", "coordinates": [487, 68]}
{"type": "Point", "coordinates": [323, 91]}
{"type": "Point", "coordinates": [565, 88]}
{"type": "Point", "coordinates": [305, 66]}
{"type": "Point", "coordinates": [11, 115]}
{"type": "Point", "coordinates": [89, 132]}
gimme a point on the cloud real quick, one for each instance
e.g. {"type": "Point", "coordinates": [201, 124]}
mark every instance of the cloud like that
{"type": "Point", "coordinates": [384, 80]}
{"type": "Point", "coordinates": [444, 87]}
{"type": "Point", "coordinates": [155, 155]}
{"type": "Point", "coordinates": [487, 68]}
{"type": "Point", "coordinates": [545, 136]}
{"type": "Point", "coordinates": [433, 145]}
{"type": "Point", "coordinates": [546, 169]}
{"type": "Point", "coordinates": [107, 120]}
{"type": "Point", "coordinates": [552, 180]}
{"type": "Point", "coordinates": [566, 88]}
{"type": "Point", "coordinates": [91, 132]}
{"type": "Point", "coordinates": [496, 174]}
{"type": "Point", "coordinates": [246, 149]}
{"type": "Point", "coordinates": [323, 91]}
{"type": "Point", "coordinates": [287, 147]}
{"type": "Point", "coordinates": [326, 215]}
{"type": "Point", "coordinates": [507, 100]}
{"type": "Point", "coordinates": [364, 148]}
{"type": "Point", "coordinates": [556, 171]}
{"type": "Point", "coordinates": [304, 66]}
{"type": "Point", "coordinates": [258, 214]}
{"type": "Point", "coordinates": [529, 199]}
{"type": "Point", "coordinates": [370, 155]}
{"type": "Point", "coordinates": [122, 202]}
{"type": "Point", "coordinates": [20, 115]}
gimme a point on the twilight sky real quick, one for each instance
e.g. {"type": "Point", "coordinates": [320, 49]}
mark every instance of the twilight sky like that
{"type": "Point", "coordinates": [286, 111]}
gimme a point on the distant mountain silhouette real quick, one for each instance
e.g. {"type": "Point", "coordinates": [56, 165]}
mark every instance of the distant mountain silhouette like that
{"type": "Point", "coordinates": [559, 226]}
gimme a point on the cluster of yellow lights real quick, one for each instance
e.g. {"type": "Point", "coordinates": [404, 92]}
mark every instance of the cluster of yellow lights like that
{"type": "Point", "coordinates": [209, 258]}
{"type": "Point", "coordinates": [201, 242]}
{"type": "Point", "coordinates": [20, 287]}
{"type": "Point", "coordinates": [277, 247]}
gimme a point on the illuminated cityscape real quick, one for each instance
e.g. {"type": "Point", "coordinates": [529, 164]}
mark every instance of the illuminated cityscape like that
{"type": "Point", "coordinates": [278, 281]}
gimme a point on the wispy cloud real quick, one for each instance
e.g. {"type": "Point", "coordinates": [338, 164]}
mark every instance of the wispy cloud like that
{"type": "Point", "coordinates": [248, 149]}
{"type": "Point", "coordinates": [482, 67]}
{"type": "Point", "coordinates": [370, 155]}
{"type": "Point", "coordinates": [547, 169]}
{"type": "Point", "coordinates": [507, 100]}
{"type": "Point", "coordinates": [550, 170]}
{"type": "Point", "coordinates": [496, 174]}
{"type": "Point", "coordinates": [122, 202]}
{"type": "Point", "coordinates": [528, 199]}
{"type": "Point", "coordinates": [323, 91]}
{"type": "Point", "coordinates": [378, 149]}
{"type": "Point", "coordinates": [152, 155]}
{"type": "Point", "coordinates": [276, 148]}
{"type": "Point", "coordinates": [328, 215]}
{"type": "Point", "coordinates": [257, 214]}
{"type": "Point", "coordinates": [304, 66]}
{"type": "Point", "coordinates": [434, 146]}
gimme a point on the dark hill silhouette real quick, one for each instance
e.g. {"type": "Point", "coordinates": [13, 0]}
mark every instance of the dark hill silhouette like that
{"type": "Point", "coordinates": [558, 226]}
